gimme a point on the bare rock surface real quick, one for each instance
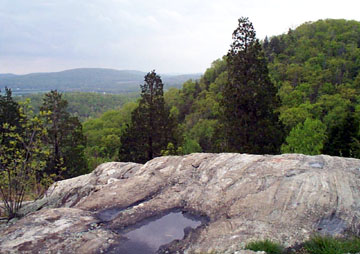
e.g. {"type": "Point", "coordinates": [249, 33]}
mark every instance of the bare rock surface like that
{"type": "Point", "coordinates": [243, 197]}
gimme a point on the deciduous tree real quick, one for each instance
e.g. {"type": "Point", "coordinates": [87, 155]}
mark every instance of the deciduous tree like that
{"type": "Point", "coordinates": [22, 156]}
{"type": "Point", "coordinates": [307, 138]}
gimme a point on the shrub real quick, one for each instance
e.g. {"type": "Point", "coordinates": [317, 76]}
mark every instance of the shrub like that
{"type": "Point", "coordinates": [21, 161]}
{"type": "Point", "coordinates": [266, 245]}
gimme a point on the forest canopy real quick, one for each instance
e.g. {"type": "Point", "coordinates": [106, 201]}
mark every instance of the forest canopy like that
{"type": "Point", "coordinates": [315, 70]}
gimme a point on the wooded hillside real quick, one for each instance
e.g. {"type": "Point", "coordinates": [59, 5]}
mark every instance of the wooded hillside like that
{"type": "Point", "coordinates": [315, 69]}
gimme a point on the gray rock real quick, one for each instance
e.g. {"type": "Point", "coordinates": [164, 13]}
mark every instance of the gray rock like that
{"type": "Point", "coordinates": [285, 198]}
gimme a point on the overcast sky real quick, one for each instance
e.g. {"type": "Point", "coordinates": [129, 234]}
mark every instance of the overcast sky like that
{"type": "Point", "coordinates": [172, 36]}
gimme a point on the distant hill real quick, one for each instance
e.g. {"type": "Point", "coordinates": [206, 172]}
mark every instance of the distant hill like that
{"type": "Point", "coordinates": [7, 75]}
{"type": "Point", "coordinates": [85, 80]}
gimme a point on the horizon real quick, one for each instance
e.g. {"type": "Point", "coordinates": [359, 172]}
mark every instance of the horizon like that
{"type": "Point", "coordinates": [170, 37]}
{"type": "Point", "coordinates": [88, 68]}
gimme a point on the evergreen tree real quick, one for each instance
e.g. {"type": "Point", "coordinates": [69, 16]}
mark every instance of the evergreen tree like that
{"type": "Point", "coordinates": [151, 128]}
{"type": "Point", "coordinates": [9, 113]}
{"type": "Point", "coordinates": [9, 110]}
{"type": "Point", "coordinates": [65, 138]}
{"type": "Point", "coordinates": [249, 98]}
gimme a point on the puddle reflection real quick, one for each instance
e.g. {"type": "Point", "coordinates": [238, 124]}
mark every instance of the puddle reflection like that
{"type": "Point", "coordinates": [148, 238]}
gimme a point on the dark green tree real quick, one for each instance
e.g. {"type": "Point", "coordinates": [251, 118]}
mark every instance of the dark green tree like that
{"type": "Point", "coordinates": [344, 139]}
{"type": "Point", "coordinates": [65, 138]}
{"type": "Point", "coordinates": [249, 99]}
{"type": "Point", "coordinates": [9, 115]}
{"type": "Point", "coordinates": [9, 109]}
{"type": "Point", "coordinates": [151, 128]}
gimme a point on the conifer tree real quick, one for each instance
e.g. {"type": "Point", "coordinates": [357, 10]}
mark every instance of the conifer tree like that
{"type": "Point", "coordinates": [249, 99]}
{"type": "Point", "coordinates": [151, 128]}
{"type": "Point", "coordinates": [9, 114]}
{"type": "Point", "coordinates": [65, 138]}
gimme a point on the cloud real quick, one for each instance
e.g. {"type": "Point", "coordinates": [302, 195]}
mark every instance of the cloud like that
{"type": "Point", "coordinates": [170, 36]}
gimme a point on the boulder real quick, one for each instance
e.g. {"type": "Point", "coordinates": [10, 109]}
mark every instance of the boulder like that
{"type": "Point", "coordinates": [241, 198]}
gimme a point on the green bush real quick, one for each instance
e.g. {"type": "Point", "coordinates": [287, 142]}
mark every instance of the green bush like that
{"type": "Point", "coordinates": [331, 245]}
{"type": "Point", "coordinates": [268, 246]}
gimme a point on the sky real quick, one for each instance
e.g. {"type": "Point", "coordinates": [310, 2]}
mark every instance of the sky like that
{"type": "Point", "coordinates": [170, 36]}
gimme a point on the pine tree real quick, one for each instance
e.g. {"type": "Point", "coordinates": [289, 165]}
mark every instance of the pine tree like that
{"type": "Point", "coordinates": [151, 128]}
{"type": "Point", "coordinates": [65, 138]}
{"type": "Point", "coordinates": [249, 98]}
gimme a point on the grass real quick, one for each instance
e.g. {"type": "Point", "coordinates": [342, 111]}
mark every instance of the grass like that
{"type": "Point", "coordinates": [315, 245]}
{"type": "Point", "coordinates": [330, 245]}
{"type": "Point", "coordinates": [266, 245]}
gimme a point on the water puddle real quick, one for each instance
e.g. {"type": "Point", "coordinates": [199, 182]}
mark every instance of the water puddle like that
{"type": "Point", "coordinates": [148, 238]}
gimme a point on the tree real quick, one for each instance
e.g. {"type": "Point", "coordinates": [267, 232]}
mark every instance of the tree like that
{"type": "Point", "coordinates": [65, 138]}
{"type": "Point", "coordinates": [249, 98]}
{"type": "Point", "coordinates": [21, 155]}
{"type": "Point", "coordinates": [9, 110]}
{"type": "Point", "coordinates": [344, 138]}
{"type": "Point", "coordinates": [307, 138]}
{"type": "Point", "coordinates": [316, 70]}
{"type": "Point", "coordinates": [9, 115]}
{"type": "Point", "coordinates": [151, 128]}
{"type": "Point", "coordinates": [103, 135]}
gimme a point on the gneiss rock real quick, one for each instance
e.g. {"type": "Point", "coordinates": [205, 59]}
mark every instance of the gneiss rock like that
{"type": "Point", "coordinates": [243, 197]}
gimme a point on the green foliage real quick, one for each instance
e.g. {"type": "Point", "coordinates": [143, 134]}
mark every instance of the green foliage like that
{"type": "Point", "coordinates": [316, 69]}
{"type": "Point", "coordinates": [9, 110]}
{"type": "Point", "coordinates": [249, 98]}
{"type": "Point", "coordinates": [22, 156]}
{"type": "Point", "coordinates": [265, 245]}
{"type": "Point", "coordinates": [211, 74]}
{"type": "Point", "coordinates": [65, 138]}
{"type": "Point", "coordinates": [307, 138]}
{"type": "Point", "coordinates": [197, 108]}
{"type": "Point", "coordinates": [330, 245]}
{"type": "Point", "coordinates": [171, 150]}
{"type": "Point", "coordinates": [103, 135]}
{"type": "Point", "coordinates": [86, 106]}
{"type": "Point", "coordinates": [151, 128]}
{"type": "Point", "coordinates": [10, 115]}
{"type": "Point", "coordinates": [190, 146]}
{"type": "Point", "coordinates": [344, 138]}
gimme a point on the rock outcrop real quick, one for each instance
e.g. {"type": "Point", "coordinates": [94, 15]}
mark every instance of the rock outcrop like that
{"type": "Point", "coordinates": [243, 197]}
